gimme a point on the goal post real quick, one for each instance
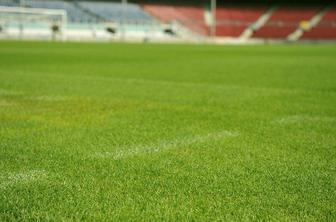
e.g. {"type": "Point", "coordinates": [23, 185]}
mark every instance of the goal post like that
{"type": "Point", "coordinates": [54, 19]}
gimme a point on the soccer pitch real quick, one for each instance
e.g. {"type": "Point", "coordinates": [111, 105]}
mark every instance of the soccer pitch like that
{"type": "Point", "coordinates": [110, 132]}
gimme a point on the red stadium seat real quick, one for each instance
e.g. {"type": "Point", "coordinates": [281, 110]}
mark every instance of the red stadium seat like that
{"type": "Point", "coordinates": [232, 21]}
{"type": "Point", "coordinates": [190, 16]}
{"type": "Point", "coordinates": [326, 29]}
{"type": "Point", "coordinates": [284, 21]}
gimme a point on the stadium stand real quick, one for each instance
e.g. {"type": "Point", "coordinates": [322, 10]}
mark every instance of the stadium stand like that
{"type": "Point", "coordinates": [74, 13]}
{"type": "Point", "coordinates": [325, 29]}
{"type": "Point", "coordinates": [232, 21]}
{"type": "Point", "coordinates": [114, 11]}
{"type": "Point", "coordinates": [285, 21]}
{"type": "Point", "coordinates": [9, 3]}
{"type": "Point", "coordinates": [190, 16]}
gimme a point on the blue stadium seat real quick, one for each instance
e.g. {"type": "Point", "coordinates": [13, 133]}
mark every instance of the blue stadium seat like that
{"type": "Point", "coordinates": [112, 11]}
{"type": "Point", "coordinates": [9, 3]}
{"type": "Point", "coordinates": [74, 13]}
{"type": "Point", "coordinates": [90, 11]}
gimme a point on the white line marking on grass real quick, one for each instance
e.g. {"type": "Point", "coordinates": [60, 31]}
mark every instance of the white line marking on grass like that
{"type": "Point", "coordinates": [303, 119]}
{"type": "Point", "coordinates": [163, 145]}
{"type": "Point", "coordinates": [11, 179]}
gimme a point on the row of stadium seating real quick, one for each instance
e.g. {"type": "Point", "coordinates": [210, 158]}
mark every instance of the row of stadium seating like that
{"type": "Point", "coordinates": [112, 11]}
{"type": "Point", "coordinates": [326, 29]}
{"type": "Point", "coordinates": [231, 20]}
{"type": "Point", "coordinates": [73, 12]}
{"type": "Point", "coordinates": [88, 11]}
{"type": "Point", "coordinates": [189, 16]}
{"type": "Point", "coordinates": [285, 21]}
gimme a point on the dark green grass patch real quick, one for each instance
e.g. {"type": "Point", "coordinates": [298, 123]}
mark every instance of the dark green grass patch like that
{"type": "Point", "coordinates": [103, 132]}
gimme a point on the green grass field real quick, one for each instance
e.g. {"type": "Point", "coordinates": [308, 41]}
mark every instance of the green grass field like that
{"type": "Point", "coordinates": [114, 132]}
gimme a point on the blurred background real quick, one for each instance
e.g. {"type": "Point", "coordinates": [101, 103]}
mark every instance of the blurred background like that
{"type": "Point", "coordinates": [165, 21]}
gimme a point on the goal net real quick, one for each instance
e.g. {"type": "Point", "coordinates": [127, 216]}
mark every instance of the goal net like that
{"type": "Point", "coordinates": [52, 21]}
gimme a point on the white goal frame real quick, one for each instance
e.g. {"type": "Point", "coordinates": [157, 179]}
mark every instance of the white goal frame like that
{"type": "Point", "coordinates": [22, 16]}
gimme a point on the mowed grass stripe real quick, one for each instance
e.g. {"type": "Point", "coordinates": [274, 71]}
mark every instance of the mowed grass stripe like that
{"type": "Point", "coordinates": [167, 83]}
